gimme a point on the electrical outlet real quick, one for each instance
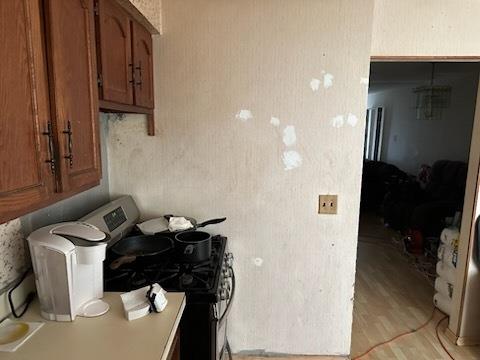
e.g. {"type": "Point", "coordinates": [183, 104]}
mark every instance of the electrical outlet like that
{"type": "Point", "coordinates": [327, 204]}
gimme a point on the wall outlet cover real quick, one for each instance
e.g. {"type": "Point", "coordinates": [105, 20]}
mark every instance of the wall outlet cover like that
{"type": "Point", "coordinates": [328, 204]}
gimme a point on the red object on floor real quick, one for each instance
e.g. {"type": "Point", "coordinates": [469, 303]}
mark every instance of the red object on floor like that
{"type": "Point", "coordinates": [414, 242]}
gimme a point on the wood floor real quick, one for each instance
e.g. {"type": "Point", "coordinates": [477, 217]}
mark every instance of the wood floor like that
{"type": "Point", "coordinates": [391, 297]}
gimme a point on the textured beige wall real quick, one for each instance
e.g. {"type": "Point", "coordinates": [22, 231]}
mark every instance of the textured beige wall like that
{"type": "Point", "coordinates": [150, 9]}
{"type": "Point", "coordinates": [426, 28]}
{"type": "Point", "coordinates": [295, 269]}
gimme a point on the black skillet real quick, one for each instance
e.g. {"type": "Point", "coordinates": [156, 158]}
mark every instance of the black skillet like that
{"type": "Point", "coordinates": [140, 246]}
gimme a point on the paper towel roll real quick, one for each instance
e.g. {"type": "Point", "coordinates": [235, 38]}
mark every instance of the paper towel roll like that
{"type": "Point", "coordinates": [441, 251]}
{"type": "Point", "coordinates": [447, 254]}
{"type": "Point", "coordinates": [443, 303]}
{"type": "Point", "coordinates": [450, 236]}
{"type": "Point", "coordinates": [446, 272]}
{"type": "Point", "coordinates": [444, 288]}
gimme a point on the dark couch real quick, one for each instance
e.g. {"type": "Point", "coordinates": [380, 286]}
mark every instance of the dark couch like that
{"type": "Point", "coordinates": [378, 178]}
{"type": "Point", "coordinates": [409, 207]}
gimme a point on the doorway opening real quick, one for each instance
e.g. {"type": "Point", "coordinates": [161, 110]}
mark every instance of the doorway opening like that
{"type": "Point", "coordinates": [417, 144]}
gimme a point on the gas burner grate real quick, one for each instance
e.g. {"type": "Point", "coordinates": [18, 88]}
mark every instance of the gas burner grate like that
{"type": "Point", "coordinates": [172, 275]}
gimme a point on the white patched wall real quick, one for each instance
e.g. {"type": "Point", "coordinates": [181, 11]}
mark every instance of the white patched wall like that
{"type": "Point", "coordinates": [245, 131]}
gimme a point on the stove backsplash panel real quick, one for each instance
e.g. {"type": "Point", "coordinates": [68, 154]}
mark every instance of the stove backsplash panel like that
{"type": "Point", "coordinates": [14, 257]}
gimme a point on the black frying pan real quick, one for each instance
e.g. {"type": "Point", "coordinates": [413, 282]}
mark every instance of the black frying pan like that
{"type": "Point", "coordinates": [194, 222]}
{"type": "Point", "coordinates": [133, 247]}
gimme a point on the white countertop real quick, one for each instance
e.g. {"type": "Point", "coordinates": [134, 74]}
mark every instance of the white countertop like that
{"type": "Point", "coordinates": [110, 336]}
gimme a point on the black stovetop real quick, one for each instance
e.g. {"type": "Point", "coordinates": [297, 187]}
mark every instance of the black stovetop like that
{"type": "Point", "coordinates": [200, 281]}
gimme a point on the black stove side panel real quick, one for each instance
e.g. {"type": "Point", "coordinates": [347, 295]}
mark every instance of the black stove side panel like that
{"type": "Point", "coordinates": [197, 333]}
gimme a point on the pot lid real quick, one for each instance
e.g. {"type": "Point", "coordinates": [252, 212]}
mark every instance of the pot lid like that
{"type": "Point", "coordinates": [153, 226]}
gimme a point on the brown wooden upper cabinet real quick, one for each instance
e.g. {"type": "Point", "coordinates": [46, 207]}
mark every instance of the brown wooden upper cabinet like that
{"type": "Point", "coordinates": [25, 176]}
{"type": "Point", "coordinates": [115, 54]}
{"type": "Point", "coordinates": [73, 91]}
{"type": "Point", "coordinates": [49, 142]}
{"type": "Point", "coordinates": [125, 60]}
{"type": "Point", "coordinates": [142, 60]}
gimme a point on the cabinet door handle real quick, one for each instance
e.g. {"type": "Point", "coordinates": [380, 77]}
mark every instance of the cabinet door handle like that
{"type": "Point", "coordinates": [69, 134]}
{"type": "Point", "coordinates": [139, 68]}
{"type": "Point", "coordinates": [51, 159]}
{"type": "Point", "coordinates": [132, 72]}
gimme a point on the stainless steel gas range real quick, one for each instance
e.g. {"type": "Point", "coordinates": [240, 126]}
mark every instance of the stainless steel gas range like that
{"type": "Point", "coordinates": [209, 285]}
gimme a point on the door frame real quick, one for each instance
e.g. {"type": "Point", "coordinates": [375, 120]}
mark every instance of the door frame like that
{"type": "Point", "coordinates": [383, 58]}
{"type": "Point", "coordinates": [471, 207]}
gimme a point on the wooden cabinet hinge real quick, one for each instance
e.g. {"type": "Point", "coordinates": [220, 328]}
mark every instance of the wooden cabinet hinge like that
{"type": "Point", "coordinates": [100, 80]}
{"type": "Point", "coordinates": [95, 8]}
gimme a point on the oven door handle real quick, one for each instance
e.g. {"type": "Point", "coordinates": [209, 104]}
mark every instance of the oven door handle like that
{"type": "Point", "coordinates": [229, 305]}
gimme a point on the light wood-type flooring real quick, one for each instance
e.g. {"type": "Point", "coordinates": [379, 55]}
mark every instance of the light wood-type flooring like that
{"type": "Point", "coordinates": [392, 297]}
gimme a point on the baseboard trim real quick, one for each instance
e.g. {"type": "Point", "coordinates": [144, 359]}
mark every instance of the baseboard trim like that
{"type": "Point", "coordinates": [461, 340]}
{"type": "Point", "coordinates": [449, 334]}
{"type": "Point", "coordinates": [467, 341]}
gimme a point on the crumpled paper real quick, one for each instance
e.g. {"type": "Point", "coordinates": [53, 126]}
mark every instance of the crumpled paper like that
{"type": "Point", "coordinates": [178, 223]}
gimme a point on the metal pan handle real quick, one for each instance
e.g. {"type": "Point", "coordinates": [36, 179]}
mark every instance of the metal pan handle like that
{"type": "Point", "coordinates": [125, 259]}
{"type": "Point", "coordinates": [211, 222]}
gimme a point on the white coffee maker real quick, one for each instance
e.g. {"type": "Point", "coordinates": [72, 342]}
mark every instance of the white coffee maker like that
{"type": "Point", "coordinates": [68, 265]}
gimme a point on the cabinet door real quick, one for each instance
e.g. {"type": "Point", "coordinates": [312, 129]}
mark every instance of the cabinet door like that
{"type": "Point", "coordinates": [142, 61]}
{"type": "Point", "coordinates": [73, 90]}
{"type": "Point", "coordinates": [25, 177]}
{"type": "Point", "coordinates": [115, 46]}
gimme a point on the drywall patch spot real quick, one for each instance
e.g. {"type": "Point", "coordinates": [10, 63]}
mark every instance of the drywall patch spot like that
{"type": "Point", "coordinates": [257, 261]}
{"type": "Point", "coordinates": [289, 136]}
{"type": "Point", "coordinates": [291, 159]}
{"type": "Point", "coordinates": [338, 121]}
{"type": "Point", "coordinates": [352, 120]}
{"type": "Point", "coordinates": [315, 84]}
{"type": "Point", "coordinates": [244, 115]}
{"type": "Point", "coordinates": [275, 121]}
{"type": "Point", "coordinates": [364, 81]}
{"type": "Point", "coordinates": [327, 80]}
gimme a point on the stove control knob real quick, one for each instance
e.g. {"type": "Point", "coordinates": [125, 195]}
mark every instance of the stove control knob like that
{"type": "Point", "coordinates": [229, 259]}
{"type": "Point", "coordinates": [227, 272]}
{"type": "Point", "coordinates": [226, 286]}
{"type": "Point", "coordinates": [223, 294]}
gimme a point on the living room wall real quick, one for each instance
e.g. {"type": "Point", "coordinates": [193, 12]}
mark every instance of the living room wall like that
{"type": "Point", "coordinates": [409, 142]}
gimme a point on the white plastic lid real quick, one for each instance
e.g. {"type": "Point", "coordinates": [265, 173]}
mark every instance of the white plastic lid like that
{"type": "Point", "coordinates": [80, 230]}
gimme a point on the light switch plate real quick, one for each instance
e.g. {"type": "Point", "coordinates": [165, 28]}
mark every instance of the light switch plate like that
{"type": "Point", "coordinates": [327, 204]}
